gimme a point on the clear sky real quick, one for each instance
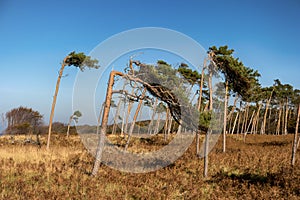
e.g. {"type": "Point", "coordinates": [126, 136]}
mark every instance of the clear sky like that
{"type": "Point", "coordinates": [36, 35]}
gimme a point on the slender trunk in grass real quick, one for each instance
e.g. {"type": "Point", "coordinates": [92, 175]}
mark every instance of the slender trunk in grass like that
{"type": "Point", "coordinates": [99, 118]}
{"type": "Point", "coordinates": [279, 120]}
{"type": "Point", "coordinates": [153, 115]}
{"type": "Point", "coordinates": [207, 135]}
{"type": "Point", "coordinates": [234, 123]}
{"type": "Point", "coordinates": [106, 109]}
{"type": "Point", "coordinates": [286, 116]}
{"type": "Point", "coordinates": [54, 100]}
{"type": "Point", "coordinates": [225, 117]}
{"type": "Point", "coordinates": [247, 129]}
{"type": "Point", "coordinates": [134, 118]}
{"type": "Point", "coordinates": [263, 127]}
{"type": "Point", "coordinates": [69, 124]}
{"type": "Point", "coordinates": [295, 142]}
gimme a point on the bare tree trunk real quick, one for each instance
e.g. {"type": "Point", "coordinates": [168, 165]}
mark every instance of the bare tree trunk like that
{"type": "Point", "coordinates": [99, 118]}
{"type": "Point", "coordinates": [279, 120]}
{"type": "Point", "coordinates": [197, 142]}
{"type": "Point", "coordinates": [157, 123]}
{"type": "Point", "coordinates": [244, 124]}
{"type": "Point", "coordinates": [286, 116]}
{"type": "Point", "coordinates": [247, 129]}
{"type": "Point", "coordinates": [104, 122]}
{"type": "Point", "coordinates": [225, 117]}
{"type": "Point", "coordinates": [263, 127]}
{"type": "Point", "coordinates": [283, 118]}
{"type": "Point", "coordinates": [69, 124]}
{"type": "Point", "coordinates": [201, 86]}
{"type": "Point", "coordinates": [179, 127]}
{"type": "Point", "coordinates": [230, 124]}
{"type": "Point", "coordinates": [153, 115]}
{"type": "Point", "coordinates": [233, 108]}
{"type": "Point", "coordinates": [207, 135]}
{"type": "Point", "coordinates": [134, 118]}
{"type": "Point", "coordinates": [295, 143]}
{"type": "Point", "coordinates": [166, 124]}
{"type": "Point", "coordinates": [234, 123]}
{"type": "Point", "coordinates": [170, 124]}
{"type": "Point", "coordinates": [269, 120]}
{"type": "Point", "coordinates": [206, 143]}
{"type": "Point", "coordinates": [255, 120]}
{"type": "Point", "coordinates": [127, 117]}
{"type": "Point", "coordinates": [123, 119]}
{"type": "Point", "coordinates": [140, 115]}
{"type": "Point", "coordinates": [199, 106]}
{"type": "Point", "coordinates": [239, 122]}
{"type": "Point", "coordinates": [54, 100]}
{"type": "Point", "coordinates": [117, 112]}
{"type": "Point", "coordinates": [243, 121]}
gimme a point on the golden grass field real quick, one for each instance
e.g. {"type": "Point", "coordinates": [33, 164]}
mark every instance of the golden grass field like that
{"type": "Point", "coordinates": [257, 169]}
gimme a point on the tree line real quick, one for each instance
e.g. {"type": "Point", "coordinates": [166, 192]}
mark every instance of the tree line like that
{"type": "Point", "coordinates": [248, 108]}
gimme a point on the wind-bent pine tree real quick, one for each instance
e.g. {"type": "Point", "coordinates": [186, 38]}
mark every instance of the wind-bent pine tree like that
{"type": "Point", "coordinates": [238, 78]}
{"type": "Point", "coordinates": [79, 60]}
{"type": "Point", "coordinates": [75, 116]}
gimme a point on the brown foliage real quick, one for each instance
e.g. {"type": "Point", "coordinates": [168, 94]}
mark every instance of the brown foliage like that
{"type": "Point", "coordinates": [258, 169]}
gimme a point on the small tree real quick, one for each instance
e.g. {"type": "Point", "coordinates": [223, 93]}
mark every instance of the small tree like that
{"type": "Point", "coordinates": [79, 60]}
{"type": "Point", "coordinates": [75, 116]}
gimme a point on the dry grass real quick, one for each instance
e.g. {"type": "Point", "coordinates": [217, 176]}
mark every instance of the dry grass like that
{"type": "Point", "coordinates": [257, 169]}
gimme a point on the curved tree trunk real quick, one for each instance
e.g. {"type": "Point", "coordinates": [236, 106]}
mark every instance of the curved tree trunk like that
{"type": "Point", "coordinates": [104, 122]}
{"type": "Point", "coordinates": [54, 100]}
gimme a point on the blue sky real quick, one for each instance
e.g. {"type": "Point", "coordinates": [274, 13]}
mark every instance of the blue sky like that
{"type": "Point", "coordinates": [36, 35]}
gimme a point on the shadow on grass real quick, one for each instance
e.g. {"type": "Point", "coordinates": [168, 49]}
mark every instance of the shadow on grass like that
{"type": "Point", "coordinates": [272, 143]}
{"type": "Point", "coordinates": [283, 179]}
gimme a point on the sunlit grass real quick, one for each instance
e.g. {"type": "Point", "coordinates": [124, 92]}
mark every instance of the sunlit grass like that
{"type": "Point", "coordinates": [259, 168]}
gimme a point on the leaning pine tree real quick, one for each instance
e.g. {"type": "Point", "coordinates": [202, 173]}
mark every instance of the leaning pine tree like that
{"type": "Point", "coordinates": [75, 116]}
{"type": "Point", "coordinates": [79, 60]}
